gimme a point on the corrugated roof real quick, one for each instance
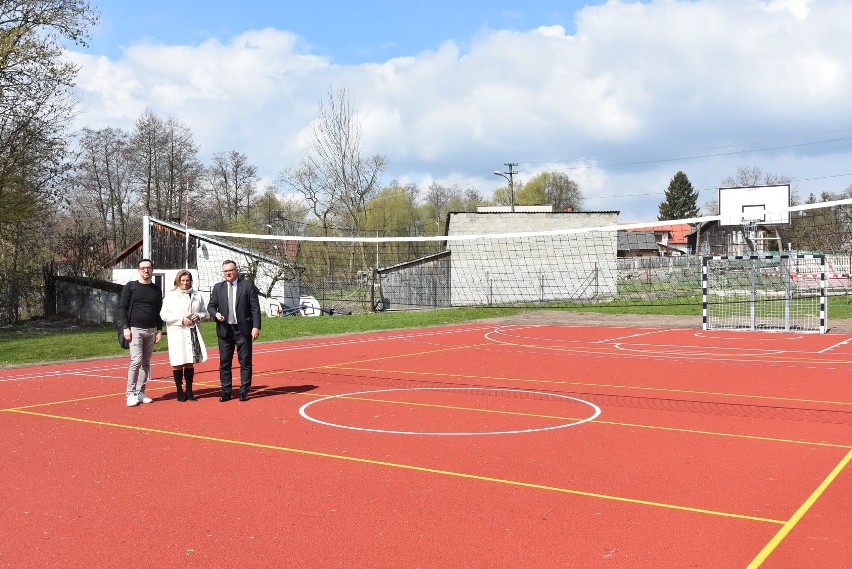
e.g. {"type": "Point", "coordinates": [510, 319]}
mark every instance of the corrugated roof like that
{"type": "Point", "coordinates": [677, 233]}
{"type": "Point", "coordinates": [637, 240]}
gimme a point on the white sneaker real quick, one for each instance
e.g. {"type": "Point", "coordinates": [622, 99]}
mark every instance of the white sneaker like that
{"type": "Point", "coordinates": [132, 400]}
{"type": "Point", "coordinates": [144, 398]}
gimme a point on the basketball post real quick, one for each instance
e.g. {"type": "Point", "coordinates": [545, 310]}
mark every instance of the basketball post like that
{"type": "Point", "coordinates": [749, 226]}
{"type": "Point", "coordinates": [766, 275]}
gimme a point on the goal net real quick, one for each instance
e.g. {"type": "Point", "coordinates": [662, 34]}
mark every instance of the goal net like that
{"type": "Point", "coordinates": [769, 292]}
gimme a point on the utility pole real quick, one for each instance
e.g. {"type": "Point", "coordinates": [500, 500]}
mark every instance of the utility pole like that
{"type": "Point", "coordinates": [510, 176]}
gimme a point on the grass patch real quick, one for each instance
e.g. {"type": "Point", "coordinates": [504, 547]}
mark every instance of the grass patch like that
{"type": "Point", "coordinates": [40, 341]}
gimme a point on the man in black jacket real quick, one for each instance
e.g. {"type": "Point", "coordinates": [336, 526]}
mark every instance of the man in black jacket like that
{"type": "Point", "coordinates": [139, 314]}
{"type": "Point", "coordinates": [235, 306]}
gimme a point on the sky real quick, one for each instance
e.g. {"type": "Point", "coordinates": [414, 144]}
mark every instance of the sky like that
{"type": "Point", "coordinates": [618, 95]}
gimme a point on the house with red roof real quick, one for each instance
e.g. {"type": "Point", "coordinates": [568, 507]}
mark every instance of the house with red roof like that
{"type": "Point", "coordinates": [670, 240]}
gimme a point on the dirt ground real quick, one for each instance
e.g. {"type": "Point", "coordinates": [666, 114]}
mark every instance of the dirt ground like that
{"type": "Point", "coordinates": [654, 320]}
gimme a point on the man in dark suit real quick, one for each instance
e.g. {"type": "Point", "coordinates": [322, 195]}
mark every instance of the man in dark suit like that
{"type": "Point", "coordinates": [235, 306]}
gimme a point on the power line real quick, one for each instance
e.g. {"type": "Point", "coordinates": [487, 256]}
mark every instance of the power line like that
{"type": "Point", "coordinates": [696, 154]}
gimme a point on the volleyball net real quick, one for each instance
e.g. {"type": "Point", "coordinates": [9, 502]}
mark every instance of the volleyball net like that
{"type": "Point", "coordinates": [658, 263]}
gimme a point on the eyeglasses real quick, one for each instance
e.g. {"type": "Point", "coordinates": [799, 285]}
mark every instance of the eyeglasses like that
{"type": "Point", "coordinates": [146, 268]}
{"type": "Point", "coordinates": [226, 271]}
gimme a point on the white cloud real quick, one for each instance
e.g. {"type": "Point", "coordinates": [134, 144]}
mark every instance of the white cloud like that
{"type": "Point", "coordinates": [637, 85]}
{"type": "Point", "coordinates": [797, 8]}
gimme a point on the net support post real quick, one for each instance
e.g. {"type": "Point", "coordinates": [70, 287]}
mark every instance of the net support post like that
{"type": "Point", "coordinates": [823, 297]}
{"type": "Point", "coordinates": [705, 323]}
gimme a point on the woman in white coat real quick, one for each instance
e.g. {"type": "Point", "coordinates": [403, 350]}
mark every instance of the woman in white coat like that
{"type": "Point", "coordinates": [183, 310]}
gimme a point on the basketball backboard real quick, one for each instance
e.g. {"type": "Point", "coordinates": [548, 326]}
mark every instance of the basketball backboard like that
{"type": "Point", "coordinates": [763, 204]}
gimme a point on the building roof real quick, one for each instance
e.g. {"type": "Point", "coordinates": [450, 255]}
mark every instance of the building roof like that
{"type": "Point", "coordinates": [223, 243]}
{"type": "Point", "coordinates": [637, 241]}
{"type": "Point", "coordinates": [677, 233]}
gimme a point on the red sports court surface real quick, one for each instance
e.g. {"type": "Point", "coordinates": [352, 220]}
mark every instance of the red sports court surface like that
{"type": "Point", "coordinates": [465, 446]}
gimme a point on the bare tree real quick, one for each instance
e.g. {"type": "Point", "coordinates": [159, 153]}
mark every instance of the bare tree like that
{"type": "Point", "coordinates": [321, 201]}
{"type": "Point", "coordinates": [748, 176]}
{"type": "Point", "coordinates": [146, 142]}
{"type": "Point", "coordinates": [165, 159]}
{"type": "Point", "coordinates": [438, 200]}
{"type": "Point", "coordinates": [102, 183]}
{"type": "Point", "coordinates": [231, 182]}
{"type": "Point", "coordinates": [336, 179]}
{"type": "Point", "coordinates": [181, 168]}
{"type": "Point", "coordinates": [472, 199]}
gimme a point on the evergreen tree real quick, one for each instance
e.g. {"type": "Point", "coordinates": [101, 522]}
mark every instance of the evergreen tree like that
{"type": "Point", "coordinates": [681, 199]}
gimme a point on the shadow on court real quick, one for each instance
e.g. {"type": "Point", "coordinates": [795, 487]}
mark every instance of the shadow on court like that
{"type": "Point", "coordinates": [256, 392]}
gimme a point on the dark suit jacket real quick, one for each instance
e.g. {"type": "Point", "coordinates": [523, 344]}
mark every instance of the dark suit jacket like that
{"type": "Point", "coordinates": [247, 309]}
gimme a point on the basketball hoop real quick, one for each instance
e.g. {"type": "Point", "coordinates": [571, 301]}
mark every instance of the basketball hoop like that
{"type": "Point", "coordinates": [749, 228]}
{"type": "Point", "coordinates": [750, 232]}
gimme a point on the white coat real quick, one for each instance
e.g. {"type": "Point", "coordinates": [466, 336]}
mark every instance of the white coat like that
{"type": "Point", "coordinates": [177, 304]}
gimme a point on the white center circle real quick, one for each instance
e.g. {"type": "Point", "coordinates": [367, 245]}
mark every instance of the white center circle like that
{"type": "Point", "coordinates": [596, 411]}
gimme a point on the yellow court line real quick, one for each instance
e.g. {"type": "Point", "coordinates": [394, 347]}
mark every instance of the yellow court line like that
{"type": "Point", "coordinates": [376, 359]}
{"type": "Point", "coordinates": [800, 513]}
{"type": "Point", "coordinates": [583, 384]}
{"type": "Point", "coordinates": [474, 409]}
{"type": "Point", "coordinates": [103, 396]}
{"type": "Point", "coordinates": [561, 418]}
{"type": "Point", "coordinates": [261, 374]}
{"type": "Point", "coordinates": [412, 468]}
{"type": "Point", "coordinates": [77, 400]}
{"type": "Point", "coordinates": [480, 410]}
{"type": "Point", "coordinates": [720, 434]}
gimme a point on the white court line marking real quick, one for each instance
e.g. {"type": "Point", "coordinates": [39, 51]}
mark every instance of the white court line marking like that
{"type": "Point", "coordinates": [161, 358]}
{"type": "Point", "coordinates": [632, 336]}
{"type": "Point", "coordinates": [702, 350]}
{"type": "Point", "coordinates": [505, 331]}
{"type": "Point", "coordinates": [679, 352]}
{"type": "Point", "coordinates": [409, 336]}
{"type": "Point", "coordinates": [672, 346]}
{"type": "Point", "coordinates": [303, 412]}
{"type": "Point", "coordinates": [744, 336]}
{"type": "Point", "coordinates": [837, 345]}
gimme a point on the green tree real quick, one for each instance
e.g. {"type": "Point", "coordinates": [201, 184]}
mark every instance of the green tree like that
{"type": "Point", "coordinates": [36, 108]}
{"type": "Point", "coordinates": [394, 211]}
{"type": "Point", "coordinates": [680, 201]}
{"type": "Point", "coordinates": [553, 188]}
{"type": "Point", "coordinates": [502, 195]}
{"type": "Point", "coordinates": [526, 194]}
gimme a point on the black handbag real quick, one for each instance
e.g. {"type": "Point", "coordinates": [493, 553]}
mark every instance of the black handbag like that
{"type": "Point", "coordinates": [122, 341]}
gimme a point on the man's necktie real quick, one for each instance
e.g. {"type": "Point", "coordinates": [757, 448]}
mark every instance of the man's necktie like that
{"type": "Point", "coordinates": [232, 303]}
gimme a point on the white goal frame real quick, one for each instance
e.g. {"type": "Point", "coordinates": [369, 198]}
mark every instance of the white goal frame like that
{"type": "Point", "coordinates": [765, 292]}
